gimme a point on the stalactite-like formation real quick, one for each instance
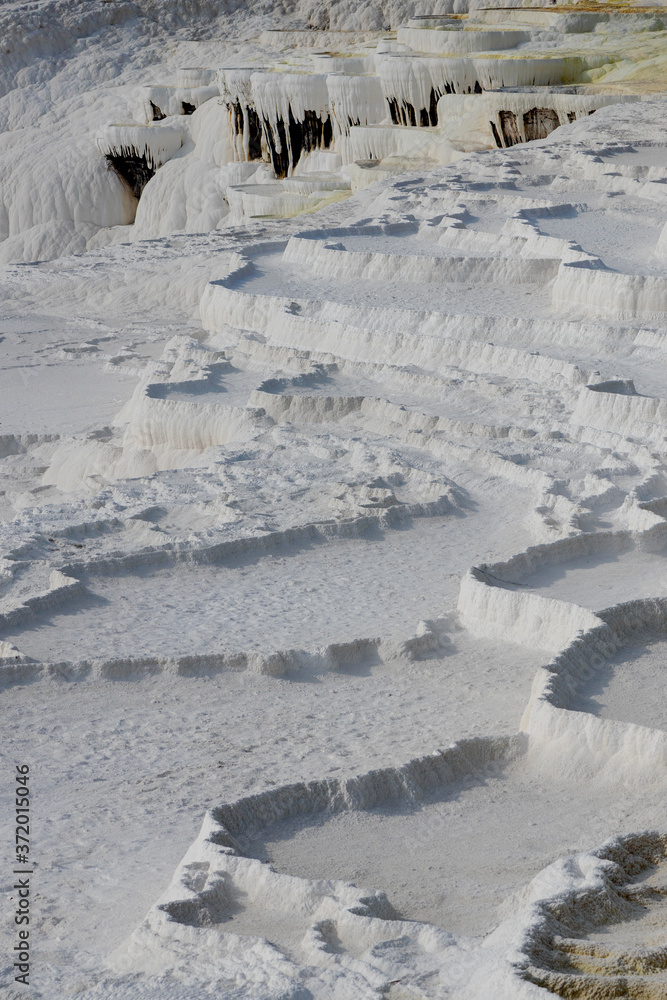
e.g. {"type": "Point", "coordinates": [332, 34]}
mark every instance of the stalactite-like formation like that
{"type": "Point", "coordinates": [135, 152]}
{"type": "Point", "coordinates": [278, 117]}
{"type": "Point", "coordinates": [286, 145]}
{"type": "Point", "coordinates": [449, 78]}
{"type": "Point", "coordinates": [133, 166]}
{"type": "Point", "coordinates": [244, 122]}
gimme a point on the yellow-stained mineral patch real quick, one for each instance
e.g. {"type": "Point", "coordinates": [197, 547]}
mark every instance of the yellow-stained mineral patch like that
{"type": "Point", "coordinates": [612, 943]}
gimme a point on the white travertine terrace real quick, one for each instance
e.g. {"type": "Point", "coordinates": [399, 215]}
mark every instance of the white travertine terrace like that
{"type": "Point", "coordinates": [435, 89]}
{"type": "Point", "coordinates": [333, 497]}
{"type": "Point", "coordinates": [351, 92]}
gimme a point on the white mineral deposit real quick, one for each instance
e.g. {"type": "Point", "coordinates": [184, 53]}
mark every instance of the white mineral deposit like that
{"type": "Point", "coordinates": [333, 499]}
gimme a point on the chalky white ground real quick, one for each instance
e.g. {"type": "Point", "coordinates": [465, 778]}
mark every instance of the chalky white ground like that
{"type": "Point", "coordinates": [259, 456]}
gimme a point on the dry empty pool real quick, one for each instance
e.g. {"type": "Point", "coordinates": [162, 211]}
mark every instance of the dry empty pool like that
{"type": "Point", "coordinates": [375, 585]}
{"type": "Point", "coordinates": [452, 859]}
{"type": "Point", "coordinates": [600, 581]}
{"type": "Point", "coordinates": [631, 686]}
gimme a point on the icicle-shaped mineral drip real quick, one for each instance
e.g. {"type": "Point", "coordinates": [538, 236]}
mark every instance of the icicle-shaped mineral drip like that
{"type": "Point", "coordinates": [294, 111]}
{"type": "Point", "coordinates": [195, 77]}
{"type": "Point", "coordinates": [407, 85]}
{"type": "Point", "coordinates": [157, 143]}
{"type": "Point", "coordinates": [458, 76]}
{"type": "Point", "coordinates": [276, 94]}
{"type": "Point", "coordinates": [518, 72]}
{"type": "Point", "coordinates": [355, 100]}
{"type": "Point", "coordinates": [236, 92]}
{"type": "Point", "coordinates": [137, 151]}
{"type": "Point", "coordinates": [412, 85]}
{"type": "Point", "coordinates": [234, 84]}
